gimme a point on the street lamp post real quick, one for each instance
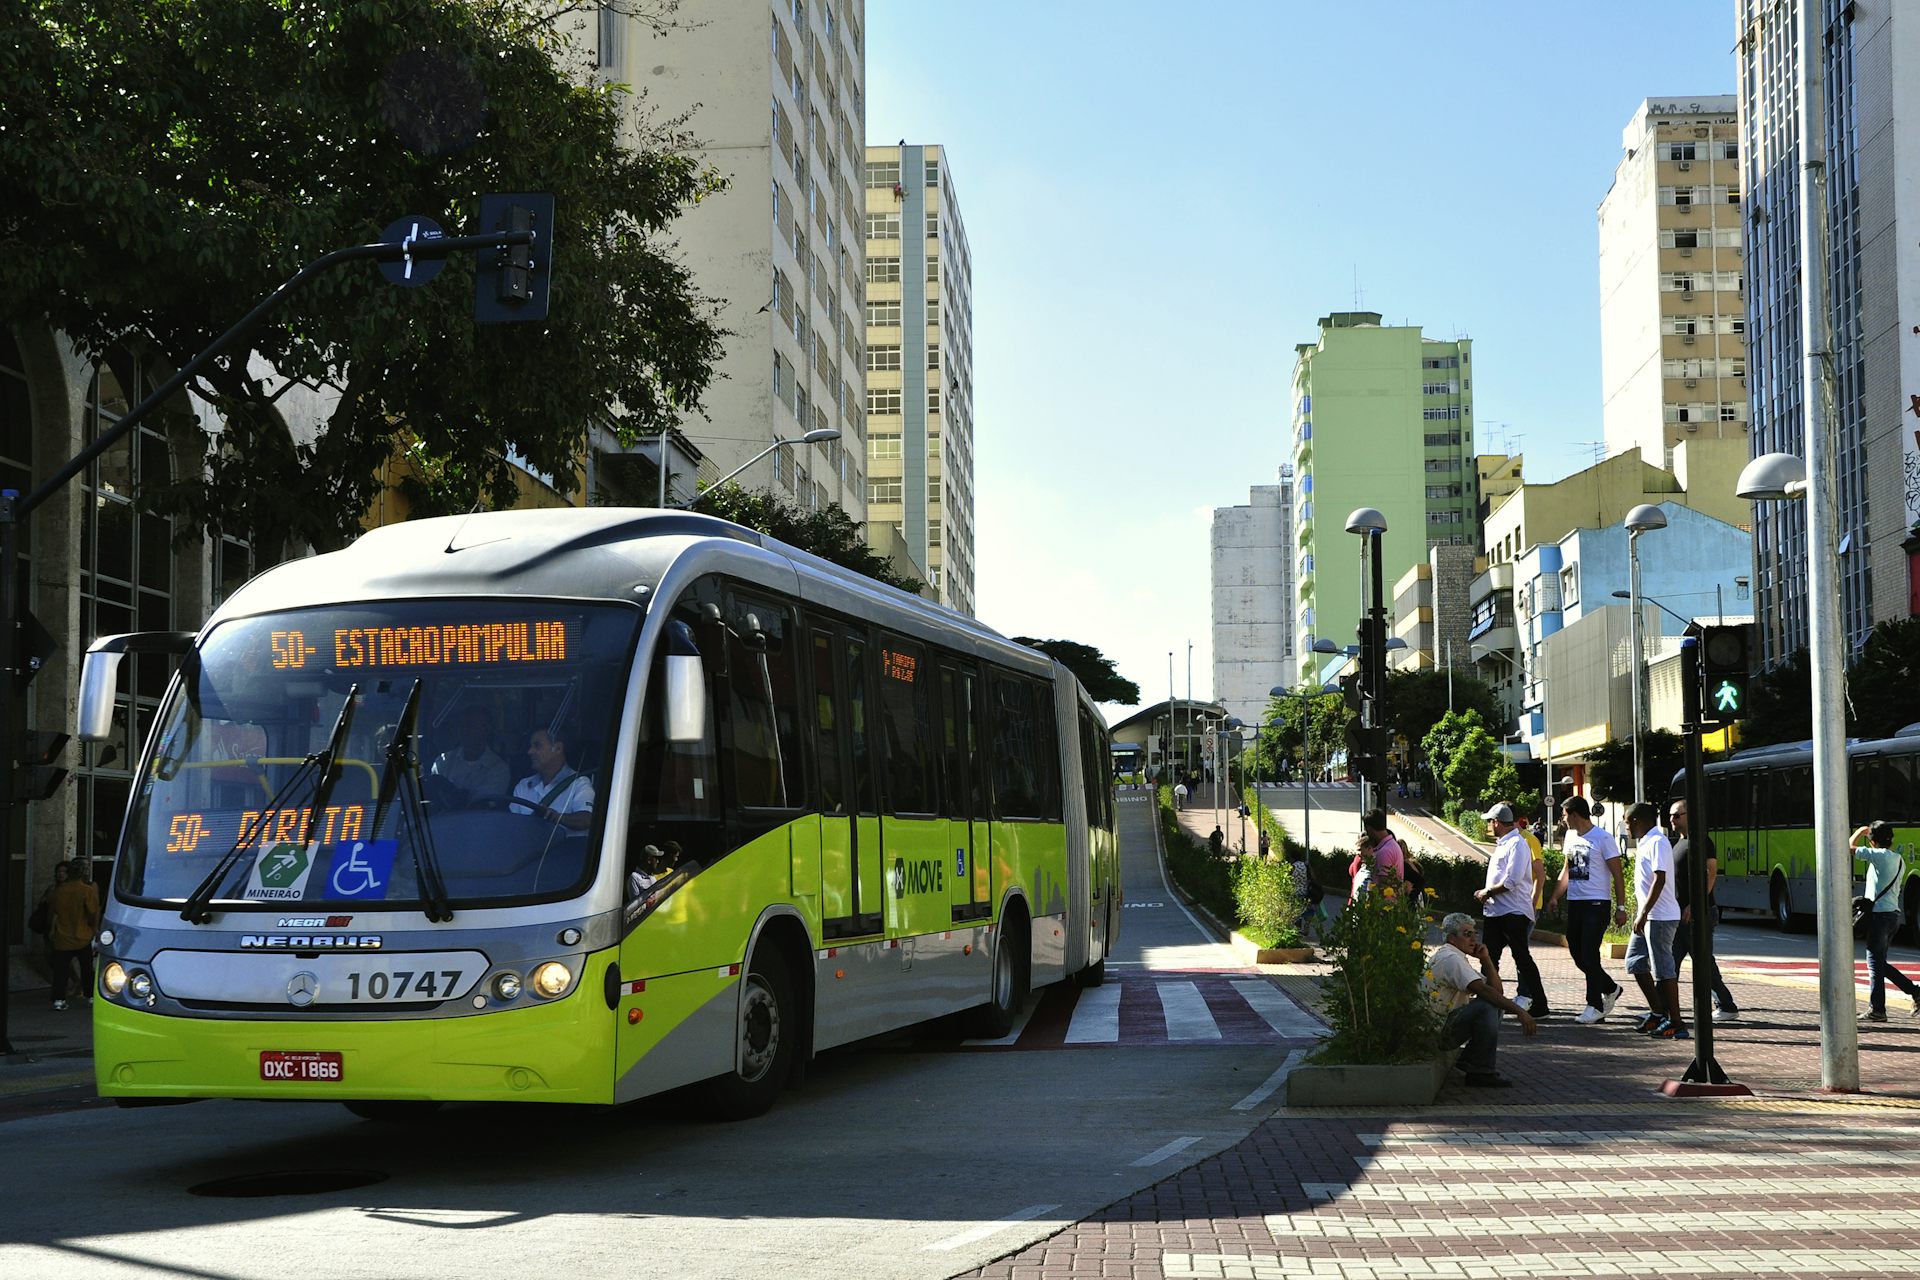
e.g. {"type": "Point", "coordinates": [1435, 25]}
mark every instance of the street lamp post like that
{"type": "Point", "coordinates": [819, 436]}
{"type": "Point", "coordinates": [1368, 524]}
{"type": "Point", "coordinates": [1642, 518]}
{"type": "Point", "coordinates": [1774, 476]}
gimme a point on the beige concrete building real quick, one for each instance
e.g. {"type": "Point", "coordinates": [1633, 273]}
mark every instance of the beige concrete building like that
{"type": "Point", "coordinates": [1673, 342]}
{"type": "Point", "coordinates": [1252, 568]}
{"type": "Point", "coordinates": [776, 100]}
{"type": "Point", "coordinates": [919, 367]}
{"type": "Point", "coordinates": [1432, 611]}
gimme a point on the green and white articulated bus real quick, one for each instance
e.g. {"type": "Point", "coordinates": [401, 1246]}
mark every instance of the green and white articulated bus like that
{"type": "Point", "coordinates": [581, 806]}
{"type": "Point", "coordinates": [1760, 814]}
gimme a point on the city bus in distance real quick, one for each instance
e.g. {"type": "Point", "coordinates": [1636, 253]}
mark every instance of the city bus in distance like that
{"type": "Point", "coordinates": [1760, 814]}
{"type": "Point", "coordinates": [582, 806]}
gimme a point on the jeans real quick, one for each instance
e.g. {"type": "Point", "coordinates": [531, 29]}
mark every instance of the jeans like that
{"type": "Point", "coordinates": [1880, 930]}
{"type": "Point", "coordinates": [1586, 929]}
{"type": "Point", "coordinates": [1683, 944]}
{"type": "Point", "coordinates": [1516, 930]}
{"type": "Point", "coordinates": [1474, 1029]}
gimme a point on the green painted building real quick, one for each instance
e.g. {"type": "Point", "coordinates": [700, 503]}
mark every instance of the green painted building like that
{"type": "Point", "coordinates": [1382, 417]}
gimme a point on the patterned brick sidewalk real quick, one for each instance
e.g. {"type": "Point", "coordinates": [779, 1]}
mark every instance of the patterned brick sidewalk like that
{"type": "Point", "coordinates": [1581, 1169]}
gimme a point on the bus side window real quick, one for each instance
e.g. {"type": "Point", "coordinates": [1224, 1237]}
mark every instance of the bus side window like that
{"type": "Point", "coordinates": [1863, 793]}
{"type": "Point", "coordinates": [763, 728]}
{"type": "Point", "coordinates": [908, 759]}
{"type": "Point", "coordinates": [1015, 750]}
{"type": "Point", "coordinates": [826, 727]}
{"type": "Point", "coordinates": [1897, 793]}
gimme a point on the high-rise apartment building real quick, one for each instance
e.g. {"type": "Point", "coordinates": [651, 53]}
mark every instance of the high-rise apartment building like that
{"type": "Point", "coordinates": [919, 336]}
{"type": "Point", "coordinates": [776, 99]}
{"type": "Point", "coordinates": [1870, 53]}
{"type": "Point", "coordinates": [1383, 418]}
{"type": "Point", "coordinates": [1673, 319]}
{"type": "Point", "coordinates": [1253, 567]}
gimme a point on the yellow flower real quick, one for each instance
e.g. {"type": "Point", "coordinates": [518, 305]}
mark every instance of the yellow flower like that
{"type": "Point", "coordinates": [1430, 893]}
{"type": "Point", "coordinates": [1400, 928]}
{"type": "Point", "coordinates": [1388, 893]}
{"type": "Point", "coordinates": [1416, 946]}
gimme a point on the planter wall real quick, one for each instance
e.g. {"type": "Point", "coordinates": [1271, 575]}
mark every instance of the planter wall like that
{"type": "Point", "coordinates": [1361, 1086]}
{"type": "Point", "coordinates": [1270, 955]}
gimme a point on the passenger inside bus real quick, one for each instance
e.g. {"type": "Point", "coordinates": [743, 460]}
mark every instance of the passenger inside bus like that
{"type": "Point", "coordinates": [554, 790]}
{"type": "Point", "coordinates": [472, 768]}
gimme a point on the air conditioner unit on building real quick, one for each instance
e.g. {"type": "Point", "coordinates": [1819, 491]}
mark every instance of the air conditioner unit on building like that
{"type": "Point", "coordinates": [1686, 251]}
{"type": "Point", "coordinates": [1686, 339]}
{"type": "Point", "coordinates": [1691, 382]}
{"type": "Point", "coordinates": [1685, 165]}
{"type": "Point", "coordinates": [1686, 295]}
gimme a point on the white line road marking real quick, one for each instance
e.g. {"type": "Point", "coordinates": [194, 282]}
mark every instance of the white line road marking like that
{"type": "Point", "coordinates": [1330, 1224]}
{"type": "Point", "coordinates": [1665, 1160]}
{"type": "Point", "coordinates": [1188, 1017]}
{"type": "Point", "coordinates": [1677, 1190]}
{"type": "Point", "coordinates": [1639, 1262]}
{"type": "Point", "coordinates": [1280, 1013]}
{"type": "Point", "coordinates": [1874, 1133]}
{"type": "Point", "coordinates": [1019, 1027]}
{"type": "Point", "coordinates": [1167, 1152]}
{"type": "Point", "coordinates": [1274, 1081]}
{"type": "Point", "coordinates": [1096, 1016]}
{"type": "Point", "coordinates": [986, 1229]}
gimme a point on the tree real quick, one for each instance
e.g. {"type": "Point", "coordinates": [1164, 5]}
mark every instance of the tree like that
{"type": "Point", "coordinates": [1780, 703]}
{"type": "Point", "coordinates": [828, 532]}
{"type": "Point", "coordinates": [1610, 766]}
{"type": "Point", "coordinates": [1093, 669]}
{"type": "Point", "coordinates": [1309, 730]}
{"type": "Point", "coordinates": [165, 164]}
{"type": "Point", "coordinates": [1883, 685]}
{"type": "Point", "coordinates": [1442, 741]}
{"type": "Point", "coordinates": [1473, 764]}
{"type": "Point", "coordinates": [1416, 701]}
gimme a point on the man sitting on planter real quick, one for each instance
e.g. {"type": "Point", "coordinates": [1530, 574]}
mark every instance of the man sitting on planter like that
{"type": "Point", "coordinates": [1464, 982]}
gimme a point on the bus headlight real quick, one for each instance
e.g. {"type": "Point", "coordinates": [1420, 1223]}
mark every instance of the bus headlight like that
{"type": "Point", "coordinates": [140, 986]}
{"type": "Point", "coordinates": [551, 980]}
{"type": "Point", "coordinates": [507, 986]}
{"type": "Point", "coordinates": [113, 978]}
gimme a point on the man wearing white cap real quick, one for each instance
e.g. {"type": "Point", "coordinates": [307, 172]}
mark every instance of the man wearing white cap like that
{"type": "Point", "coordinates": [1507, 902]}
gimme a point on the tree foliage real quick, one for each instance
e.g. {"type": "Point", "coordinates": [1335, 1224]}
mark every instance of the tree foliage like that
{"type": "Point", "coordinates": [1610, 766]}
{"type": "Point", "coordinates": [1472, 766]}
{"type": "Point", "coordinates": [828, 532]}
{"type": "Point", "coordinates": [1441, 742]}
{"type": "Point", "coordinates": [1416, 701]}
{"type": "Point", "coordinates": [1090, 667]}
{"type": "Point", "coordinates": [1883, 685]}
{"type": "Point", "coordinates": [1780, 703]}
{"type": "Point", "coordinates": [1305, 729]}
{"type": "Point", "coordinates": [165, 164]}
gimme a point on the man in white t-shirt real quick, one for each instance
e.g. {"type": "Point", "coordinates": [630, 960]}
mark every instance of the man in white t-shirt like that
{"type": "Point", "coordinates": [554, 790]}
{"type": "Point", "coordinates": [473, 766]}
{"type": "Point", "coordinates": [1650, 952]}
{"type": "Point", "coordinates": [1464, 983]}
{"type": "Point", "coordinates": [1592, 881]}
{"type": "Point", "coordinates": [1507, 904]}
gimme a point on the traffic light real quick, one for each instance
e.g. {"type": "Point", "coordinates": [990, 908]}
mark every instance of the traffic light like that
{"type": "Point", "coordinates": [1725, 672]}
{"type": "Point", "coordinates": [511, 282]}
{"type": "Point", "coordinates": [1353, 691]}
{"type": "Point", "coordinates": [37, 776]}
{"type": "Point", "coordinates": [1367, 751]}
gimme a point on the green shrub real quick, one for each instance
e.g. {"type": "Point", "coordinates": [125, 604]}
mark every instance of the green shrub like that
{"type": "Point", "coordinates": [1267, 902]}
{"type": "Point", "coordinates": [1201, 876]}
{"type": "Point", "coordinates": [1375, 998]}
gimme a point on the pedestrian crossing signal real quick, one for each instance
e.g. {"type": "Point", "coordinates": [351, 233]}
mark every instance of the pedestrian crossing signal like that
{"type": "Point", "coordinates": [1725, 661]}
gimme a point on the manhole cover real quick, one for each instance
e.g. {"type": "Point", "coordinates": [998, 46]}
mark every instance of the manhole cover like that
{"type": "Point", "coordinates": [292, 1182]}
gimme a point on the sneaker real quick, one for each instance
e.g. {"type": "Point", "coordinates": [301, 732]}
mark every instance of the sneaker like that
{"type": "Point", "coordinates": [1648, 1023]}
{"type": "Point", "coordinates": [1873, 1015]}
{"type": "Point", "coordinates": [1733, 1015]}
{"type": "Point", "coordinates": [60, 1005]}
{"type": "Point", "coordinates": [1659, 1026]}
{"type": "Point", "coordinates": [1525, 1002]}
{"type": "Point", "coordinates": [1609, 1000]}
{"type": "Point", "coordinates": [1916, 1008]}
{"type": "Point", "coordinates": [1667, 1031]}
{"type": "Point", "coordinates": [1588, 1016]}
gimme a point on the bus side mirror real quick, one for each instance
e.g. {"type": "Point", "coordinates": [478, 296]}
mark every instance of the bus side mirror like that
{"type": "Point", "coordinates": [99, 690]}
{"type": "Point", "coordinates": [686, 698]}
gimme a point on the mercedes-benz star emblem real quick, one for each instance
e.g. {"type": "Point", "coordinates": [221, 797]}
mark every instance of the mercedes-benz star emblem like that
{"type": "Point", "coordinates": [301, 989]}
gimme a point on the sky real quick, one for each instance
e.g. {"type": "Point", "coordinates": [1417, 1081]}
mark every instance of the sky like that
{"type": "Point", "coordinates": [1163, 199]}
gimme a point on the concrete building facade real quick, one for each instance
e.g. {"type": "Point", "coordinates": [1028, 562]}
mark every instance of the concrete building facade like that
{"type": "Point", "coordinates": [919, 365]}
{"type": "Point", "coordinates": [776, 99]}
{"type": "Point", "coordinates": [1383, 418]}
{"type": "Point", "coordinates": [1253, 567]}
{"type": "Point", "coordinates": [1430, 610]}
{"type": "Point", "coordinates": [1673, 347]}
{"type": "Point", "coordinates": [1870, 59]}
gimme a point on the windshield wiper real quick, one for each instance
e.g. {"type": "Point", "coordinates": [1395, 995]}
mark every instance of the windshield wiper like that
{"type": "Point", "coordinates": [402, 769]}
{"type": "Point", "coordinates": [198, 906]}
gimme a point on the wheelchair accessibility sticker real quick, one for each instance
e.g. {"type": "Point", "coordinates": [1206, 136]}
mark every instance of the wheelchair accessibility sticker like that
{"type": "Point", "coordinates": [361, 868]}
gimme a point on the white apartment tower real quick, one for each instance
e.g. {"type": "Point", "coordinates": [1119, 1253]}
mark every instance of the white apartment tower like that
{"type": "Point", "coordinates": [1253, 636]}
{"type": "Point", "coordinates": [1673, 318]}
{"type": "Point", "coordinates": [919, 278]}
{"type": "Point", "coordinates": [776, 100]}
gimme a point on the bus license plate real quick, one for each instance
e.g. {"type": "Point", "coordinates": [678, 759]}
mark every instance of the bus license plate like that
{"type": "Point", "coordinates": [298, 1068]}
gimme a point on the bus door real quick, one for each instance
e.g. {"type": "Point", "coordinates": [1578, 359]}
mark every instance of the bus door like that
{"type": "Point", "coordinates": [965, 801]}
{"type": "Point", "coordinates": [850, 870]}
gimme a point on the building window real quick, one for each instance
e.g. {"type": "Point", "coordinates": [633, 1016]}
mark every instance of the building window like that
{"type": "Point", "coordinates": [883, 270]}
{"type": "Point", "coordinates": [933, 173]}
{"type": "Point", "coordinates": [610, 36]}
{"type": "Point", "coordinates": [1439, 389]}
{"type": "Point", "coordinates": [883, 226]}
{"type": "Point", "coordinates": [933, 224]}
{"type": "Point", "coordinates": [883, 175]}
{"type": "Point", "coordinates": [880, 358]}
{"type": "Point", "coordinates": [933, 399]}
{"type": "Point", "coordinates": [883, 400]}
{"type": "Point", "coordinates": [883, 489]}
{"type": "Point", "coordinates": [1674, 151]}
{"type": "Point", "coordinates": [883, 311]}
{"type": "Point", "coordinates": [933, 357]}
{"type": "Point", "coordinates": [883, 445]}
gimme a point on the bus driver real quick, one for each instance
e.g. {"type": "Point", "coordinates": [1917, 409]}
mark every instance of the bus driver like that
{"type": "Point", "coordinates": [555, 789]}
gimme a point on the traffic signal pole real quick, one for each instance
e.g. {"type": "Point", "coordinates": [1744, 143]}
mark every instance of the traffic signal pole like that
{"type": "Point", "coordinates": [14, 509]}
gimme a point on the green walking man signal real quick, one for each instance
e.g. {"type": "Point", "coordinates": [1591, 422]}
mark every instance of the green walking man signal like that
{"type": "Point", "coordinates": [1726, 699]}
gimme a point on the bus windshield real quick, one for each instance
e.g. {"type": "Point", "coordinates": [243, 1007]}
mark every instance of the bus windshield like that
{"type": "Point", "coordinates": [474, 735]}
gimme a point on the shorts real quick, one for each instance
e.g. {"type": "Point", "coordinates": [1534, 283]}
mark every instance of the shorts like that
{"type": "Point", "coordinates": [1653, 949]}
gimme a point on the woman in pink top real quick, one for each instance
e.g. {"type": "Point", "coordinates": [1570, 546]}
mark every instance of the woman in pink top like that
{"type": "Point", "coordinates": [1379, 852]}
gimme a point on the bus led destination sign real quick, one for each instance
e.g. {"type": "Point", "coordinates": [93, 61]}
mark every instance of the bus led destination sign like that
{"type": "Point", "coordinates": [449, 644]}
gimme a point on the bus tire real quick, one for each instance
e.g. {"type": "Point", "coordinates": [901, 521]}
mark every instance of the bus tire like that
{"type": "Point", "coordinates": [391, 1111]}
{"type": "Point", "coordinates": [767, 1029]}
{"type": "Point", "coordinates": [1779, 905]}
{"type": "Point", "coordinates": [1091, 976]}
{"type": "Point", "coordinates": [1007, 990]}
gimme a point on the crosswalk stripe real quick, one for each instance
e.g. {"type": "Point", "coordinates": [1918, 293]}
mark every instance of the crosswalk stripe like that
{"type": "Point", "coordinates": [1679, 1190]}
{"type": "Point", "coordinates": [1874, 1135]}
{"type": "Point", "coordinates": [1280, 1013]}
{"type": "Point", "coordinates": [1540, 1266]}
{"type": "Point", "coordinates": [1096, 1017]}
{"type": "Point", "coordinates": [1328, 1224]}
{"type": "Point", "coordinates": [1665, 1159]}
{"type": "Point", "coordinates": [1187, 1015]}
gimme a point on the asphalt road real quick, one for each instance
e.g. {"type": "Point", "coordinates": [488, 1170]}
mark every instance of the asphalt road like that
{"type": "Point", "coordinates": [916, 1156]}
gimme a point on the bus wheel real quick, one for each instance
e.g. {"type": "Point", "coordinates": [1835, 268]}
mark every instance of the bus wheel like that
{"type": "Point", "coordinates": [1008, 994]}
{"type": "Point", "coordinates": [1091, 976]}
{"type": "Point", "coordinates": [1780, 905]}
{"type": "Point", "coordinates": [763, 1045]}
{"type": "Point", "coordinates": [392, 1112]}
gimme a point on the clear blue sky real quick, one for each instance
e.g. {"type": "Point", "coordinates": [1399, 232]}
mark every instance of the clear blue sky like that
{"type": "Point", "coordinates": [1162, 199]}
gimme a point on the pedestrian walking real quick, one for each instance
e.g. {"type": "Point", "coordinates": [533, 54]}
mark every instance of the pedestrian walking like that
{"type": "Point", "coordinates": [76, 918]}
{"type": "Point", "coordinates": [1508, 910]}
{"type": "Point", "coordinates": [41, 921]}
{"type": "Point", "coordinates": [1216, 841]}
{"type": "Point", "coordinates": [1311, 895]}
{"type": "Point", "coordinates": [1266, 846]}
{"type": "Point", "coordinates": [1650, 951]}
{"type": "Point", "coordinates": [1464, 981]}
{"type": "Point", "coordinates": [1725, 1007]}
{"type": "Point", "coordinates": [1885, 872]}
{"type": "Point", "coordinates": [1523, 821]}
{"type": "Point", "coordinates": [1179, 795]}
{"type": "Point", "coordinates": [1592, 881]}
